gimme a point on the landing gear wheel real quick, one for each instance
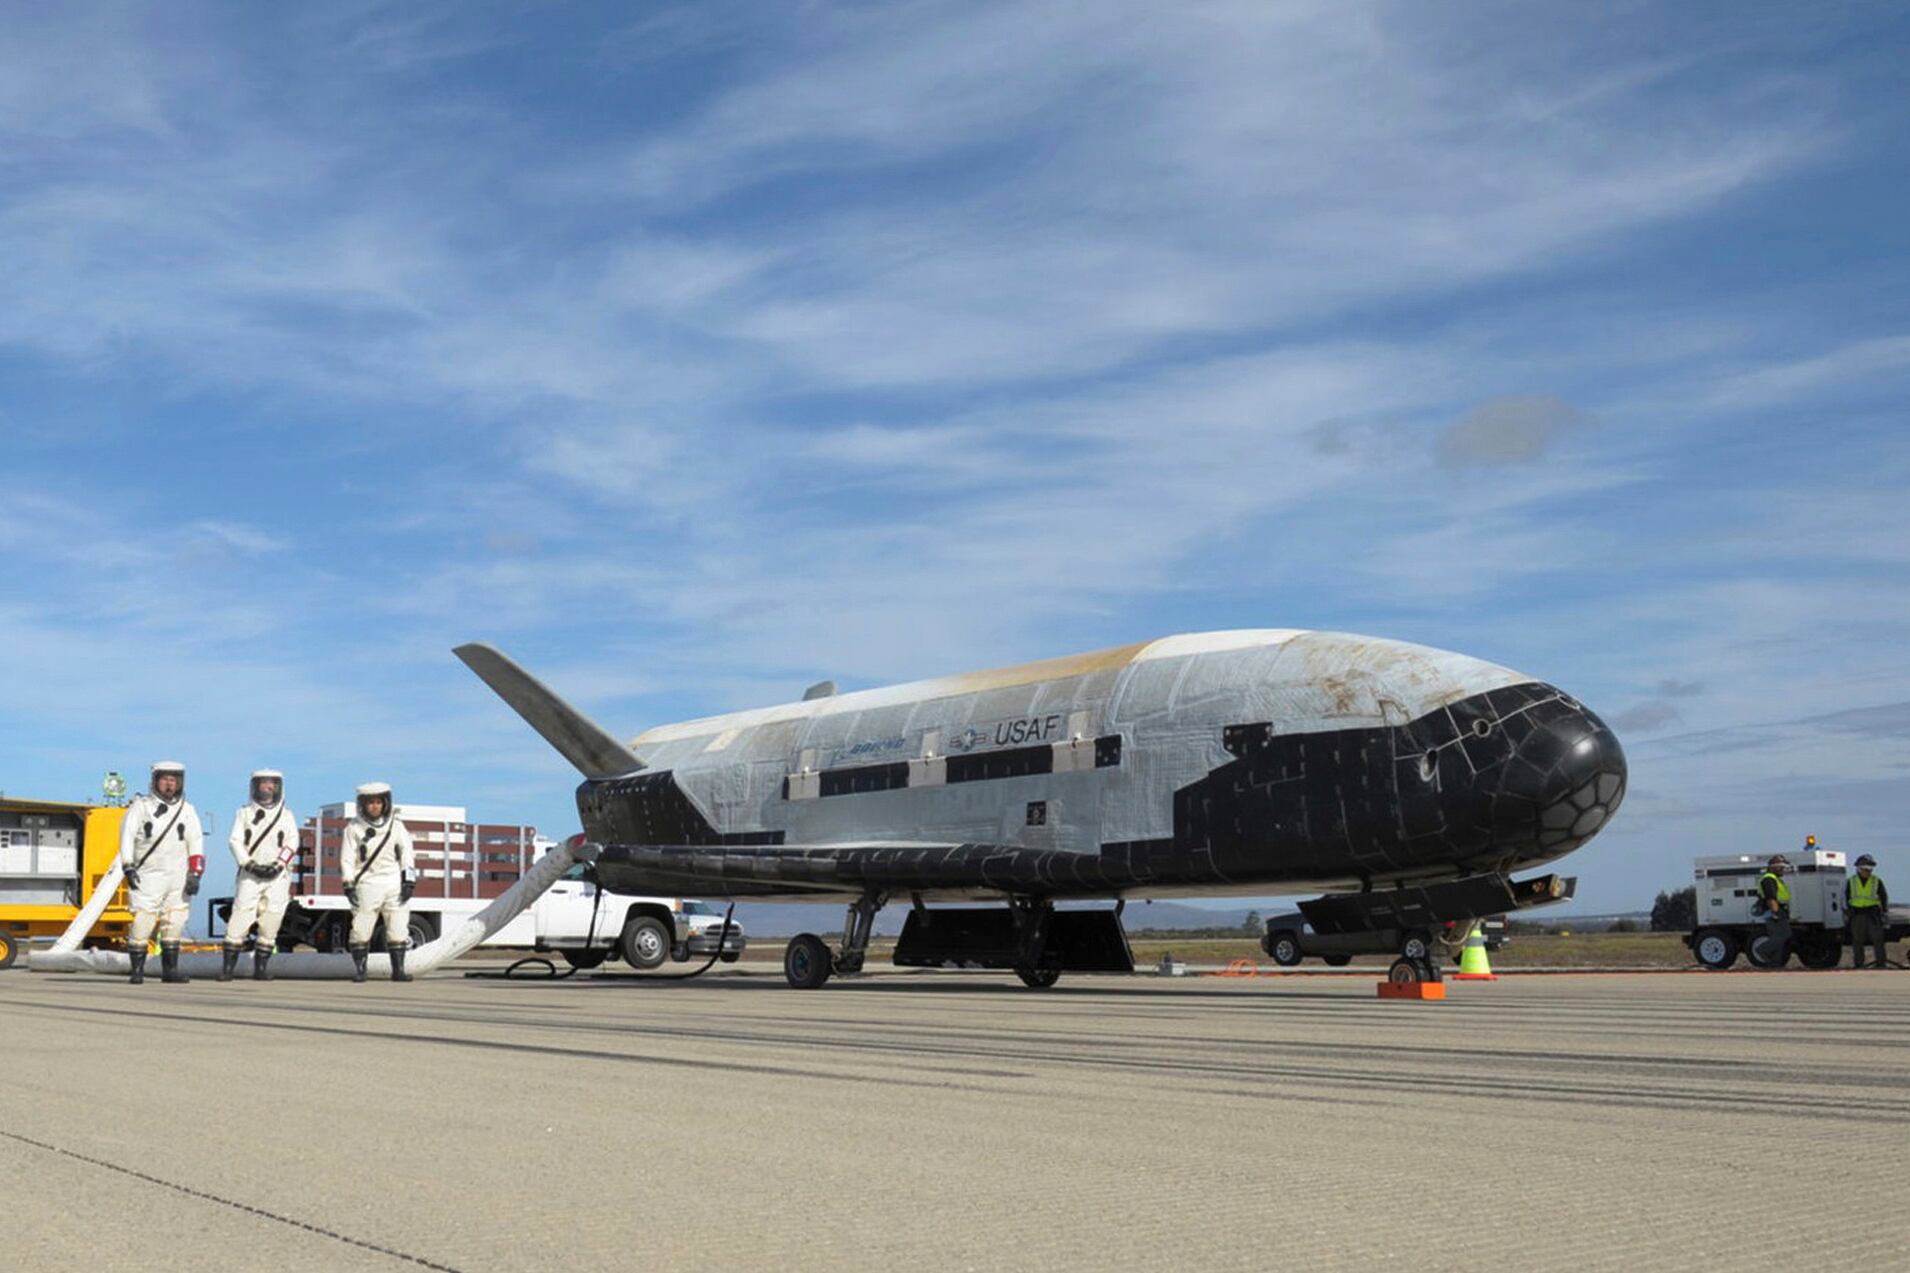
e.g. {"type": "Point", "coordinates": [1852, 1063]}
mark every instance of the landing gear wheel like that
{"type": "Point", "coordinates": [807, 961]}
{"type": "Point", "coordinates": [1284, 948]}
{"type": "Point", "coordinates": [1336, 961]}
{"type": "Point", "coordinates": [1715, 949]}
{"type": "Point", "coordinates": [9, 949]}
{"type": "Point", "coordinates": [1406, 970]}
{"type": "Point", "coordinates": [591, 958]}
{"type": "Point", "coordinates": [1038, 978]}
{"type": "Point", "coordinates": [645, 942]}
{"type": "Point", "coordinates": [1758, 951]}
{"type": "Point", "coordinates": [1819, 952]}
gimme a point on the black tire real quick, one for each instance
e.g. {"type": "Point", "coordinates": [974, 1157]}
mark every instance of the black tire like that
{"type": "Point", "coordinates": [645, 942]}
{"type": "Point", "coordinates": [1336, 961]}
{"type": "Point", "coordinates": [1757, 951]}
{"type": "Point", "coordinates": [421, 929]}
{"type": "Point", "coordinates": [591, 958]}
{"type": "Point", "coordinates": [1038, 978]}
{"type": "Point", "coordinates": [1714, 948]}
{"type": "Point", "coordinates": [1819, 952]}
{"type": "Point", "coordinates": [807, 962]}
{"type": "Point", "coordinates": [1283, 948]}
{"type": "Point", "coordinates": [730, 956]}
{"type": "Point", "coordinates": [9, 948]}
{"type": "Point", "coordinates": [1405, 971]}
{"type": "Point", "coordinates": [1416, 945]}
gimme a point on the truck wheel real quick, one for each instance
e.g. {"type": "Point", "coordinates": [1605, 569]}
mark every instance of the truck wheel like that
{"type": "Point", "coordinates": [1037, 978]}
{"type": "Point", "coordinates": [1283, 948]}
{"type": "Point", "coordinates": [731, 956]}
{"type": "Point", "coordinates": [1715, 948]}
{"type": "Point", "coordinates": [807, 962]}
{"type": "Point", "coordinates": [9, 948]}
{"type": "Point", "coordinates": [591, 958]}
{"type": "Point", "coordinates": [1336, 961]}
{"type": "Point", "coordinates": [645, 942]}
{"type": "Point", "coordinates": [1819, 951]}
{"type": "Point", "coordinates": [421, 930]}
{"type": "Point", "coordinates": [1417, 946]}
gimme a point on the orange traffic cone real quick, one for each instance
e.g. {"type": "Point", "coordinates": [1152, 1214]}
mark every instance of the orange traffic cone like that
{"type": "Point", "coordinates": [1473, 964]}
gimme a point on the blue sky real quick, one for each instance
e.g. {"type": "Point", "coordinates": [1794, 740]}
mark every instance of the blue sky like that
{"type": "Point", "coordinates": [695, 353]}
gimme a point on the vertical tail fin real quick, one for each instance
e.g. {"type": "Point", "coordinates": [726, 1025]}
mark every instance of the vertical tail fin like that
{"type": "Point", "coordinates": [577, 738]}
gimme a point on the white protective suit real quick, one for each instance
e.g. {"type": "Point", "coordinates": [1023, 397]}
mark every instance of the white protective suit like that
{"type": "Point", "coordinates": [391, 860]}
{"type": "Point", "coordinates": [262, 836]}
{"type": "Point", "coordinates": [160, 843]}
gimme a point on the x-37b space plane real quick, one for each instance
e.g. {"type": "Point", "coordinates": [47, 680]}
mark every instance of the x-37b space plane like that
{"type": "Point", "coordinates": [1403, 783]}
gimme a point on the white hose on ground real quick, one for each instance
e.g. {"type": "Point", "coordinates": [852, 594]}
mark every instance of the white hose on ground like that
{"type": "Point", "coordinates": [310, 965]}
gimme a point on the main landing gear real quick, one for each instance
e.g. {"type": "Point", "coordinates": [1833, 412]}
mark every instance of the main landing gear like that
{"type": "Point", "coordinates": [808, 963]}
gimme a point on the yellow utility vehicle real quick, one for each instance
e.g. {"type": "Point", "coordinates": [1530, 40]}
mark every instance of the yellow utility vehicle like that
{"type": "Point", "coordinates": [52, 856]}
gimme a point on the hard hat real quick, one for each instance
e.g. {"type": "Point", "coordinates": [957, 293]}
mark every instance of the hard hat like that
{"type": "Point", "coordinates": [369, 790]}
{"type": "Point", "coordinates": [1778, 859]}
{"type": "Point", "coordinates": [267, 775]}
{"type": "Point", "coordinates": [1866, 860]}
{"type": "Point", "coordinates": [162, 768]}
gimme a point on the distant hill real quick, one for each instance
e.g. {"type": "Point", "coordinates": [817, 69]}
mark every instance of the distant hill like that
{"type": "Point", "coordinates": [786, 919]}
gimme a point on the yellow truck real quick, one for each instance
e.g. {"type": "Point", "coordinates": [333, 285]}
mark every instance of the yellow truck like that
{"type": "Point", "coordinates": [52, 857]}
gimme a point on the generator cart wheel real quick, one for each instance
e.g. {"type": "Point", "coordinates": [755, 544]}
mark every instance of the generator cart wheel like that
{"type": "Point", "coordinates": [1819, 951]}
{"type": "Point", "coordinates": [807, 962]}
{"type": "Point", "coordinates": [9, 948]}
{"type": "Point", "coordinates": [1283, 948]}
{"type": "Point", "coordinates": [591, 958]}
{"type": "Point", "coordinates": [1336, 961]}
{"type": "Point", "coordinates": [645, 942]}
{"type": "Point", "coordinates": [1758, 951]}
{"type": "Point", "coordinates": [730, 956]}
{"type": "Point", "coordinates": [1037, 978]}
{"type": "Point", "coordinates": [1715, 948]}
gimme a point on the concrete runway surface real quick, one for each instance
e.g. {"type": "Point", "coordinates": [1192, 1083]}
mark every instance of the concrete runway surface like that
{"type": "Point", "coordinates": [933, 1121]}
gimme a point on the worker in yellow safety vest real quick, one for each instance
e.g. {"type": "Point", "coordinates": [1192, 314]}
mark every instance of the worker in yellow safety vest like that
{"type": "Point", "coordinates": [1774, 904]}
{"type": "Point", "coordinates": [1867, 912]}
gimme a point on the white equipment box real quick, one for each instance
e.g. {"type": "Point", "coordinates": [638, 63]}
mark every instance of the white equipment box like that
{"type": "Point", "coordinates": [1727, 887]}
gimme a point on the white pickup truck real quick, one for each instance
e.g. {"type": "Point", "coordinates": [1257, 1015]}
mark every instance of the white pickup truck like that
{"type": "Point", "coordinates": [570, 919]}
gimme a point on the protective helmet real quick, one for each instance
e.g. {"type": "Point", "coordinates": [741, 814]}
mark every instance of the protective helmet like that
{"type": "Point", "coordinates": [1777, 860]}
{"type": "Point", "coordinates": [261, 778]}
{"type": "Point", "coordinates": [160, 770]}
{"type": "Point", "coordinates": [1866, 860]}
{"type": "Point", "coordinates": [374, 790]}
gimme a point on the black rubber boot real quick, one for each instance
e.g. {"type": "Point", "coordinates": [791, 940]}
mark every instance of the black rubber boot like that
{"type": "Point", "coordinates": [358, 954]}
{"type": "Point", "coordinates": [397, 954]}
{"type": "Point", "coordinates": [228, 960]}
{"type": "Point", "coordinates": [138, 956]}
{"type": "Point", "coordinates": [169, 964]}
{"type": "Point", "coordinates": [260, 958]}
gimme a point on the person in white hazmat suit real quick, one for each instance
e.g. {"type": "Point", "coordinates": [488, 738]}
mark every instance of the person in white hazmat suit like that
{"type": "Point", "coordinates": [381, 873]}
{"type": "Point", "coordinates": [264, 842]}
{"type": "Point", "coordinates": [162, 851]}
